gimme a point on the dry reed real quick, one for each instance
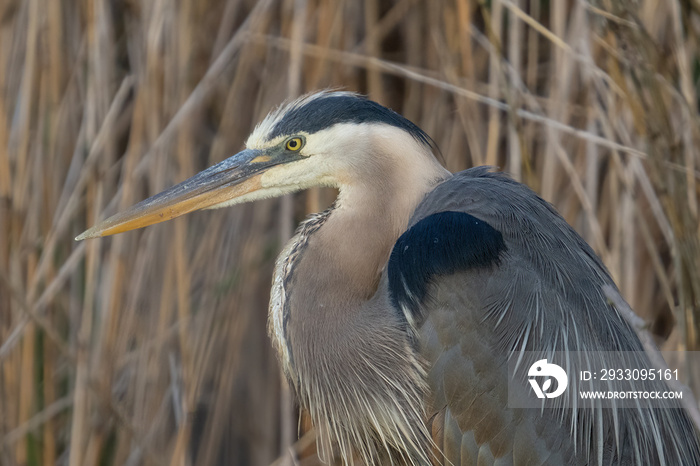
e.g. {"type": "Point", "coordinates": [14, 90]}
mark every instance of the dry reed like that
{"type": "Point", "coordinates": [150, 347]}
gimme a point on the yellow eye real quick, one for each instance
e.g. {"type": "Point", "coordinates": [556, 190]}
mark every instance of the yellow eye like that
{"type": "Point", "coordinates": [294, 144]}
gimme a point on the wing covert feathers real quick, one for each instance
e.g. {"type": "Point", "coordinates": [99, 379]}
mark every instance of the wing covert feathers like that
{"type": "Point", "coordinates": [507, 274]}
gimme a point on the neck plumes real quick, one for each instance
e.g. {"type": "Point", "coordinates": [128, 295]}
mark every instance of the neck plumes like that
{"type": "Point", "coordinates": [342, 346]}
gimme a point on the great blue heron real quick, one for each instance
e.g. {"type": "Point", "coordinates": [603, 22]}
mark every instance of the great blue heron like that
{"type": "Point", "coordinates": [394, 312]}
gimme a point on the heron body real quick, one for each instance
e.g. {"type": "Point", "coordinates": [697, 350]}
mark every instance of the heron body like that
{"type": "Point", "coordinates": [395, 312]}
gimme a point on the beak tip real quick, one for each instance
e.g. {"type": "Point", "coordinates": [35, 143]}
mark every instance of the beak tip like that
{"type": "Point", "coordinates": [86, 235]}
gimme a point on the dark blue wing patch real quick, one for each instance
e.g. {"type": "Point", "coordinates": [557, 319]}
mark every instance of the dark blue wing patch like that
{"type": "Point", "coordinates": [440, 244]}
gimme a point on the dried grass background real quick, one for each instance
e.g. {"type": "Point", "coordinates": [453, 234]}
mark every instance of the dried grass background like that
{"type": "Point", "coordinates": [150, 347]}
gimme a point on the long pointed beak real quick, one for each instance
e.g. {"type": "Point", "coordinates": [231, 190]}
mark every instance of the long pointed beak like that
{"type": "Point", "coordinates": [231, 178]}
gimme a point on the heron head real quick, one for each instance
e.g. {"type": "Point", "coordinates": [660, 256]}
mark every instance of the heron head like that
{"type": "Point", "coordinates": [334, 139]}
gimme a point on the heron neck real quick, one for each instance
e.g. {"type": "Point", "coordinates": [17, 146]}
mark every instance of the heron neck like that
{"type": "Point", "coordinates": [346, 255]}
{"type": "Point", "coordinates": [328, 310]}
{"type": "Point", "coordinates": [347, 355]}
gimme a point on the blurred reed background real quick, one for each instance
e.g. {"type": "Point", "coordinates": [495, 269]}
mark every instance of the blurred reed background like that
{"type": "Point", "coordinates": [150, 347]}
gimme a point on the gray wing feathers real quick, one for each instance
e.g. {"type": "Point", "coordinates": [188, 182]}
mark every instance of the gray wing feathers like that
{"type": "Point", "coordinates": [545, 295]}
{"type": "Point", "coordinates": [469, 394]}
{"type": "Point", "coordinates": [548, 271]}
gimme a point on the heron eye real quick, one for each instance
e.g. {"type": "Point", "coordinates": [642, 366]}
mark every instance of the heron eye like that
{"type": "Point", "coordinates": [294, 144]}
